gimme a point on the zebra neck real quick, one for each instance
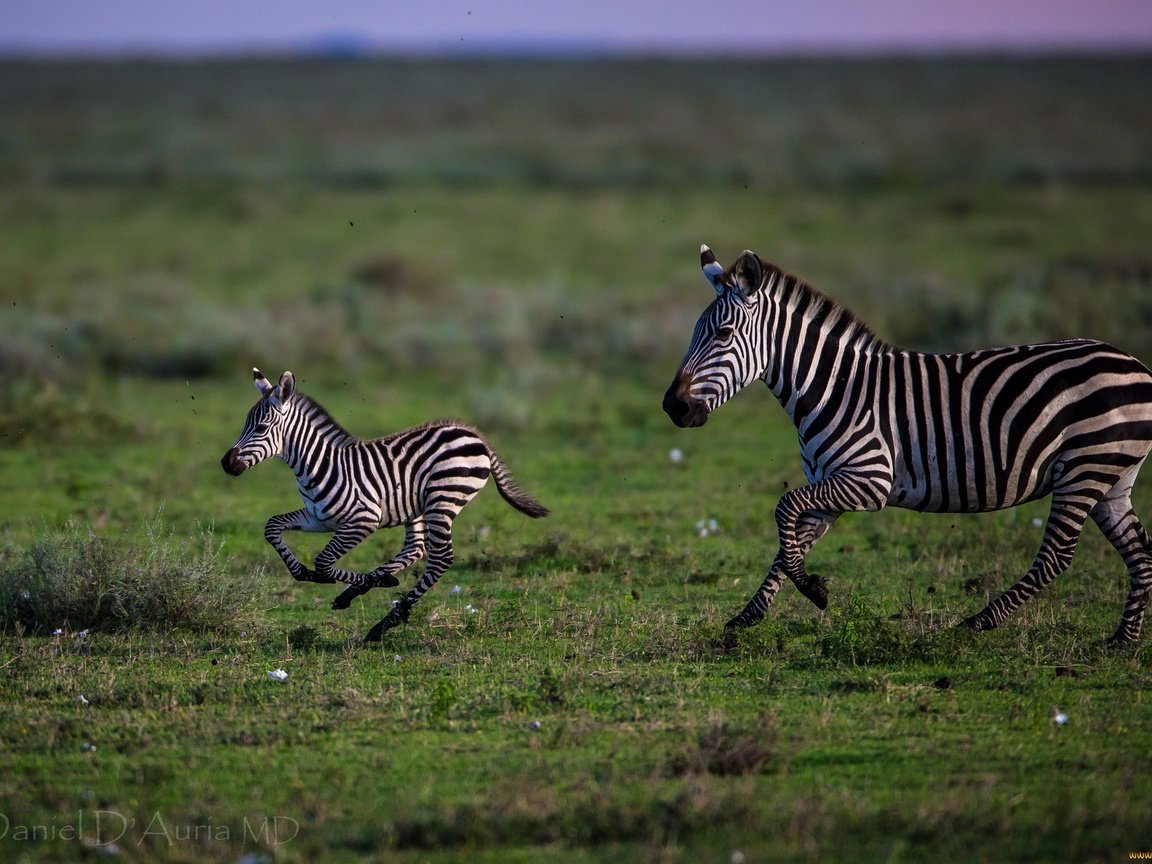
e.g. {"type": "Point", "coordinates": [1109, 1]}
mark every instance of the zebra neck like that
{"type": "Point", "coordinates": [311, 441]}
{"type": "Point", "coordinates": [818, 351]}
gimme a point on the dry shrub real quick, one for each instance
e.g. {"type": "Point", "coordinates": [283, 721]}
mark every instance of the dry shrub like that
{"type": "Point", "coordinates": [72, 579]}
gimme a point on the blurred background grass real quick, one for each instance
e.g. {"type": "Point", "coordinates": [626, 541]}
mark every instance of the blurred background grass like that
{"type": "Point", "coordinates": [531, 225]}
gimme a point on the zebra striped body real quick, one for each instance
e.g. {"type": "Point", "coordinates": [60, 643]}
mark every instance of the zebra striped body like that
{"type": "Point", "coordinates": [420, 478]}
{"type": "Point", "coordinates": [879, 426]}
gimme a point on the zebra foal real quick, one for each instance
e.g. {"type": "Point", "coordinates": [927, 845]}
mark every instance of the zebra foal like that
{"type": "Point", "coordinates": [420, 478]}
{"type": "Point", "coordinates": [879, 426]}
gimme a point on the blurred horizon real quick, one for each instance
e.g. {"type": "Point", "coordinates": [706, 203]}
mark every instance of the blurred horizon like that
{"type": "Point", "coordinates": [360, 28]}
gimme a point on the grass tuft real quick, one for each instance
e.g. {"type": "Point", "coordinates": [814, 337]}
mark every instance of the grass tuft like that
{"type": "Point", "coordinates": [73, 580]}
{"type": "Point", "coordinates": [726, 752]}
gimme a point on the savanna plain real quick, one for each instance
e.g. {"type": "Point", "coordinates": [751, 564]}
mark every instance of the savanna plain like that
{"type": "Point", "coordinates": [514, 243]}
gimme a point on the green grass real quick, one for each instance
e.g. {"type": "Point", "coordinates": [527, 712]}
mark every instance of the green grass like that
{"type": "Point", "coordinates": [530, 265]}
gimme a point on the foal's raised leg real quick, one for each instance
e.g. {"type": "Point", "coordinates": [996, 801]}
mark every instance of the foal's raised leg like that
{"type": "Point", "coordinates": [384, 576]}
{"type": "Point", "coordinates": [440, 556]}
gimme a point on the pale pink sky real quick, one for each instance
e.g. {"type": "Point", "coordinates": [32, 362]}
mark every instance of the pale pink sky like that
{"type": "Point", "coordinates": [721, 26]}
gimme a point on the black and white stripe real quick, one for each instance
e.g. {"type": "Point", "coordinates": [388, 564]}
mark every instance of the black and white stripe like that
{"type": "Point", "coordinates": [420, 478]}
{"type": "Point", "coordinates": [880, 426]}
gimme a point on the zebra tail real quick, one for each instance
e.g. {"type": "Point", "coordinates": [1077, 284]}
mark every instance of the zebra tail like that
{"type": "Point", "coordinates": [511, 492]}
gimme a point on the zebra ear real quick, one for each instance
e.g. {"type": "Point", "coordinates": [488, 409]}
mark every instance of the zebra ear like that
{"type": "Point", "coordinates": [282, 393]}
{"type": "Point", "coordinates": [748, 272]}
{"type": "Point", "coordinates": [287, 388]}
{"type": "Point", "coordinates": [262, 383]}
{"type": "Point", "coordinates": [713, 272]}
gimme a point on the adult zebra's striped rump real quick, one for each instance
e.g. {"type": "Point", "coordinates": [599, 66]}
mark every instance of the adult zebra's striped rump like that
{"type": "Point", "coordinates": [420, 478]}
{"type": "Point", "coordinates": [965, 432]}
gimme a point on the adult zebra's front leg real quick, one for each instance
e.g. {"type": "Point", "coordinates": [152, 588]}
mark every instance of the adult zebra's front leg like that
{"type": "Point", "coordinates": [856, 490]}
{"type": "Point", "coordinates": [810, 528]}
{"type": "Point", "coordinates": [384, 576]}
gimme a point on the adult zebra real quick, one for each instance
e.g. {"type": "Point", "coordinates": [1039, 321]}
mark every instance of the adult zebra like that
{"type": "Point", "coordinates": [421, 478]}
{"type": "Point", "coordinates": [932, 432]}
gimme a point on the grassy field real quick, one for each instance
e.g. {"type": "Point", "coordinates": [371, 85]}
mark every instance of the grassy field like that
{"type": "Point", "coordinates": [515, 244]}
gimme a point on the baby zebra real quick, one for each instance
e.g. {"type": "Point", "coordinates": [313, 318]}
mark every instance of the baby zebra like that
{"type": "Point", "coordinates": [420, 478]}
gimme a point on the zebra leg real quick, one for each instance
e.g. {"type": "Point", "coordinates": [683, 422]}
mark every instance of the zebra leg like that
{"type": "Point", "coordinates": [384, 576]}
{"type": "Point", "coordinates": [838, 493]}
{"type": "Point", "coordinates": [346, 538]}
{"type": "Point", "coordinates": [1061, 534]}
{"type": "Point", "coordinates": [297, 520]}
{"type": "Point", "coordinates": [810, 528]}
{"type": "Point", "coordinates": [440, 557]}
{"type": "Point", "coordinates": [1117, 520]}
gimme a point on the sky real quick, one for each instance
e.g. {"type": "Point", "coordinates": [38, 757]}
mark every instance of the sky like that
{"type": "Point", "coordinates": [206, 27]}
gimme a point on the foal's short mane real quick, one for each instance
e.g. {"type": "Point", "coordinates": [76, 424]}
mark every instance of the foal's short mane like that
{"type": "Point", "coordinates": [322, 417]}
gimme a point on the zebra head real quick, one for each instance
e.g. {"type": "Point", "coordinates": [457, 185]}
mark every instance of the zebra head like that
{"type": "Point", "coordinates": [263, 432]}
{"type": "Point", "coordinates": [723, 357]}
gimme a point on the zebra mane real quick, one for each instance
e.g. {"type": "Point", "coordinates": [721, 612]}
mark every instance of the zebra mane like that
{"type": "Point", "coordinates": [322, 419]}
{"type": "Point", "coordinates": [794, 292]}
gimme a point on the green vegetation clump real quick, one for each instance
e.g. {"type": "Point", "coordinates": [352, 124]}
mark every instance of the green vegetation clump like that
{"type": "Point", "coordinates": [73, 580]}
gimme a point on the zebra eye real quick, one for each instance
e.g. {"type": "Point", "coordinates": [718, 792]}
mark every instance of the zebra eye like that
{"type": "Point", "coordinates": [724, 334]}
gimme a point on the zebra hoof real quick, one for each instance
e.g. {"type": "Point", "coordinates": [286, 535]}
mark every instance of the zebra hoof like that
{"type": "Point", "coordinates": [743, 621]}
{"type": "Point", "coordinates": [815, 590]}
{"type": "Point", "coordinates": [384, 580]}
{"type": "Point", "coordinates": [310, 575]}
{"type": "Point", "coordinates": [376, 634]}
{"type": "Point", "coordinates": [1119, 640]}
{"type": "Point", "coordinates": [976, 624]}
{"type": "Point", "coordinates": [345, 598]}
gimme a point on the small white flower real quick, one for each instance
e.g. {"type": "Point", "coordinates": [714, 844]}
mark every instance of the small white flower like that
{"type": "Point", "coordinates": [713, 526]}
{"type": "Point", "coordinates": [470, 609]}
{"type": "Point", "coordinates": [737, 857]}
{"type": "Point", "coordinates": [58, 631]}
{"type": "Point", "coordinates": [88, 748]}
{"type": "Point", "coordinates": [702, 532]}
{"type": "Point", "coordinates": [1060, 717]}
{"type": "Point", "coordinates": [25, 595]}
{"type": "Point", "coordinates": [396, 658]}
{"type": "Point", "coordinates": [675, 455]}
{"type": "Point", "coordinates": [1037, 523]}
{"type": "Point", "coordinates": [278, 675]}
{"type": "Point", "coordinates": [456, 589]}
{"type": "Point", "coordinates": [82, 700]}
{"type": "Point", "coordinates": [534, 725]}
{"type": "Point", "coordinates": [483, 531]}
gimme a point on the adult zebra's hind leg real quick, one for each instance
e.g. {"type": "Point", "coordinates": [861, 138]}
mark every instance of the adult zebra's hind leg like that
{"type": "Point", "coordinates": [384, 576]}
{"type": "Point", "coordinates": [1117, 520]}
{"type": "Point", "coordinates": [810, 528]}
{"type": "Point", "coordinates": [1065, 522]}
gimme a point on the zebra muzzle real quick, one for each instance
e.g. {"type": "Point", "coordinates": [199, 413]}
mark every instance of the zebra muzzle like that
{"type": "Point", "coordinates": [684, 409]}
{"type": "Point", "coordinates": [232, 463]}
